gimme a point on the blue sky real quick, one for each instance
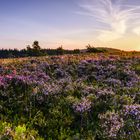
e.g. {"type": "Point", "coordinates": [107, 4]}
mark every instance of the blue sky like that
{"type": "Point", "coordinates": [71, 23]}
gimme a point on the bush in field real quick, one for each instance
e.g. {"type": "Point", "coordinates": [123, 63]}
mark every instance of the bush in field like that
{"type": "Point", "coordinates": [92, 49]}
{"type": "Point", "coordinates": [10, 132]}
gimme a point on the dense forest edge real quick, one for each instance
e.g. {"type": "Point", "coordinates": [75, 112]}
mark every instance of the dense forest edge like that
{"type": "Point", "coordinates": [36, 50]}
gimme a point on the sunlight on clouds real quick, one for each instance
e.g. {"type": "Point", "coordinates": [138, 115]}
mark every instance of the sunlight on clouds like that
{"type": "Point", "coordinates": [115, 17]}
{"type": "Point", "coordinates": [119, 26]}
{"type": "Point", "coordinates": [108, 36]}
{"type": "Point", "coordinates": [136, 30]}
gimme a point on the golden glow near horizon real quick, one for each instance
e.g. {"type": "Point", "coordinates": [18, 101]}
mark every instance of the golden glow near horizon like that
{"type": "Point", "coordinates": [120, 20]}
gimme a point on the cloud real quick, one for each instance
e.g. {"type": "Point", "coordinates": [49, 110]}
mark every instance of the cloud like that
{"type": "Point", "coordinates": [136, 30]}
{"type": "Point", "coordinates": [116, 18]}
{"type": "Point", "coordinates": [106, 36]}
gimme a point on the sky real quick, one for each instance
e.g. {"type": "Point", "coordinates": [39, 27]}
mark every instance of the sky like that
{"type": "Point", "coordinates": [70, 23]}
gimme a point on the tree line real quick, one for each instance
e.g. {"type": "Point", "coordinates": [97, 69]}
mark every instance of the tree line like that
{"type": "Point", "coordinates": [36, 50]}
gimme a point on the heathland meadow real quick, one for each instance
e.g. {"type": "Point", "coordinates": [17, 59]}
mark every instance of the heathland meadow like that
{"type": "Point", "coordinates": [71, 97]}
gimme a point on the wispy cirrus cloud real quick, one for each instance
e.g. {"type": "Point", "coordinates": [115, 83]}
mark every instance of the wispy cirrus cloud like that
{"type": "Point", "coordinates": [115, 17]}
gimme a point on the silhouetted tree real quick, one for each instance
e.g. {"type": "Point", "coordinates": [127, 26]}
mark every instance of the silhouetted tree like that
{"type": "Point", "coordinates": [36, 50]}
{"type": "Point", "coordinates": [60, 50]}
{"type": "Point", "coordinates": [29, 51]}
{"type": "Point", "coordinates": [28, 47]}
{"type": "Point", "coordinates": [36, 45]}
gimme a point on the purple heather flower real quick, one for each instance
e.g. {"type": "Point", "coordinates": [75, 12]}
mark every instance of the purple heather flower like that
{"type": "Point", "coordinates": [83, 106]}
{"type": "Point", "coordinates": [104, 92]}
{"type": "Point", "coordinates": [1, 81]}
{"type": "Point", "coordinates": [9, 77]}
{"type": "Point", "coordinates": [132, 111]}
{"type": "Point", "coordinates": [111, 123]}
{"type": "Point", "coordinates": [112, 81]}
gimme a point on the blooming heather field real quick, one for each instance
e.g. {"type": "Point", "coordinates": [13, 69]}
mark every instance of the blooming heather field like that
{"type": "Point", "coordinates": [70, 97]}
